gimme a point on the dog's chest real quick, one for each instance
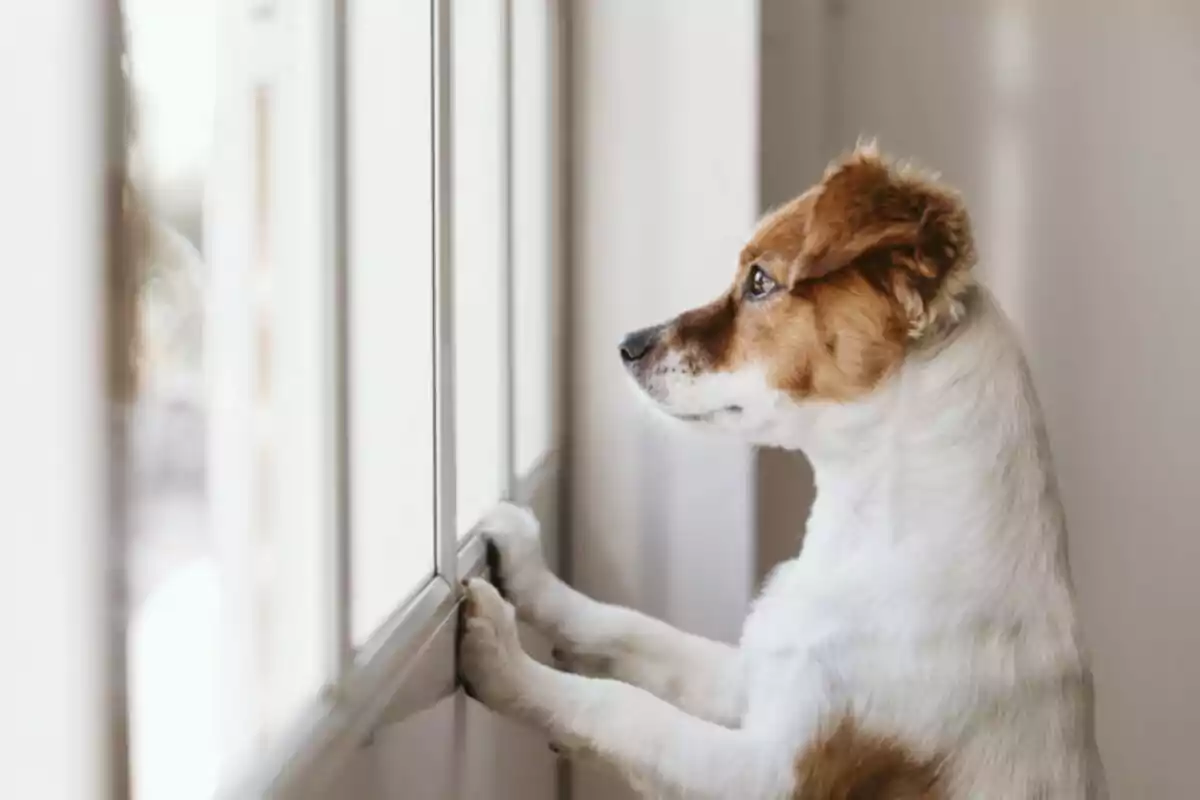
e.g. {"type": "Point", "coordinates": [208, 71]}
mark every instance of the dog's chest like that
{"type": "Point", "coordinates": [802, 615]}
{"type": "Point", "coordinates": [811, 648]}
{"type": "Point", "coordinates": [793, 644]}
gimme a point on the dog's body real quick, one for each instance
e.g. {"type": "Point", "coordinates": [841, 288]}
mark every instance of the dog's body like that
{"type": "Point", "coordinates": [924, 644]}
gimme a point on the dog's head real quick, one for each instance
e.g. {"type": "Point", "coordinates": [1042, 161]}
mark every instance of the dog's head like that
{"type": "Point", "coordinates": [833, 290]}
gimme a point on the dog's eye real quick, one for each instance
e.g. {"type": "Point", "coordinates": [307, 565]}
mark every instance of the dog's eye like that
{"type": "Point", "coordinates": [759, 284]}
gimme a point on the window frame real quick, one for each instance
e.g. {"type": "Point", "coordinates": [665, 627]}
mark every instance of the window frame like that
{"type": "Point", "coordinates": [408, 663]}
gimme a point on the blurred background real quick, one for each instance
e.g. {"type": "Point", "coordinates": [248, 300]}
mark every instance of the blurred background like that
{"type": "Point", "coordinates": [370, 266]}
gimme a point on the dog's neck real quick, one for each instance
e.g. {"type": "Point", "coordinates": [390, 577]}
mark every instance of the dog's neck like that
{"type": "Point", "coordinates": [945, 469]}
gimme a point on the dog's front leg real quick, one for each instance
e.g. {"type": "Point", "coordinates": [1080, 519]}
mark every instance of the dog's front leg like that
{"type": "Point", "coordinates": [695, 674]}
{"type": "Point", "coordinates": [639, 734]}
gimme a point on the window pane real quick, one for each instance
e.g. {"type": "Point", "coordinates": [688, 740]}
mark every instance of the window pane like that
{"type": "Point", "coordinates": [391, 305]}
{"type": "Point", "coordinates": [532, 226]}
{"type": "Point", "coordinates": [479, 256]}
{"type": "Point", "coordinates": [229, 480]}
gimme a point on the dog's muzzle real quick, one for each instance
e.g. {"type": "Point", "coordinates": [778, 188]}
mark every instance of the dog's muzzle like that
{"type": "Point", "coordinates": [638, 344]}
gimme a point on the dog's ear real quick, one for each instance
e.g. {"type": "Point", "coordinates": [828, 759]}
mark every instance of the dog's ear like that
{"type": "Point", "coordinates": [911, 233]}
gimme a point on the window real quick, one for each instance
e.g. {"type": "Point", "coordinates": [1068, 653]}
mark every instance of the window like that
{"type": "Point", "coordinates": [502, 246]}
{"type": "Point", "coordinates": [480, 247]}
{"type": "Point", "coordinates": [343, 330]}
{"type": "Point", "coordinates": [532, 231]}
{"type": "Point", "coordinates": [390, 316]}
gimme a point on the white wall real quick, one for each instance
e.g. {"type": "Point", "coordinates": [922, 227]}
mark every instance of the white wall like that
{"type": "Point", "coordinates": [1070, 127]}
{"type": "Point", "coordinates": [664, 191]}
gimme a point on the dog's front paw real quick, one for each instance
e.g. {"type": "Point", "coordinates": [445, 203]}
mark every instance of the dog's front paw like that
{"type": "Point", "coordinates": [490, 659]}
{"type": "Point", "coordinates": [514, 542]}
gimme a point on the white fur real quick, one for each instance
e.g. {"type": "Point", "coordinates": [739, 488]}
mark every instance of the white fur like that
{"type": "Point", "coordinates": [931, 602]}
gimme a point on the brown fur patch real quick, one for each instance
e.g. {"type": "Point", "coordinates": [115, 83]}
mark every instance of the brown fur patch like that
{"type": "Point", "coordinates": [870, 261]}
{"type": "Point", "coordinates": [849, 764]}
{"type": "Point", "coordinates": [706, 332]}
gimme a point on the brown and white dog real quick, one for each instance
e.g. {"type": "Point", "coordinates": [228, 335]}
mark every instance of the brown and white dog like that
{"type": "Point", "coordinates": [924, 644]}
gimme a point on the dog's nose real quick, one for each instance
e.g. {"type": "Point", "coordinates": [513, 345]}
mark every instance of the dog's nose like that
{"type": "Point", "coordinates": [638, 343]}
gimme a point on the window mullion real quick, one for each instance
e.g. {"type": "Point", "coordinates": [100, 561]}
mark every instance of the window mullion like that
{"type": "Point", "coordinates": [445, 464]}
{"type": "Point", "coordinates": [508, 336]}
{"type": "Point", "coordinates": [338, 354]}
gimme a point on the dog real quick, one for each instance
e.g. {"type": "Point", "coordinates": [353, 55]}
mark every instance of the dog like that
{"type": "Point", "coordinates": [924, 643]}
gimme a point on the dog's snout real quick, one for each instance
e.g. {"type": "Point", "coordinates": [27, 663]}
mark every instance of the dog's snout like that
{"type": "Point", "coordinates": [637, 344]}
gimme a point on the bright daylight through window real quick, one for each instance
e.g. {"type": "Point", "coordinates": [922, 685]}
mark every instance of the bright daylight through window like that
{"type": "Point", "coordinates": [285, 175]}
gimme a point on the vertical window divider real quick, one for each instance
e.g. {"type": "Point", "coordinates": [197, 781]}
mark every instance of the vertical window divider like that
{"type": "Point", "coordinates": [338, 345]}
{"type": "Point", "coordinates": [119, 328]}
{"type": "Point", "coordinates": [442, 143]}
{"type": "Point", "coordinates": [508, 455]}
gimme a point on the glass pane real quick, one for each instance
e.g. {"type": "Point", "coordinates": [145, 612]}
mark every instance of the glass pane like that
{"type": "Point", "coordinates": [229, 480]}
{"type": "Point", "coordinates": [532, 226]}
{"type": "Point", "coordinates": [479, 256]}
{"type": "Point", "coordinates": [391, 305]}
